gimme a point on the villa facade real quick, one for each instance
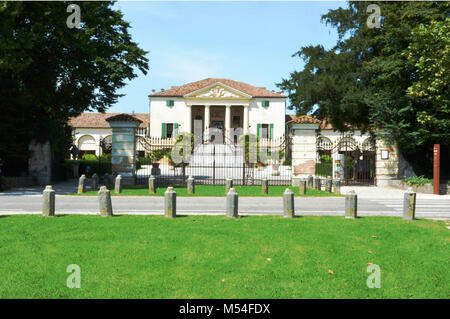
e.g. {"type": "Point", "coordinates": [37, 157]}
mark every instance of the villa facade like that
{"type": "Point", "coordinates": [218, 103]}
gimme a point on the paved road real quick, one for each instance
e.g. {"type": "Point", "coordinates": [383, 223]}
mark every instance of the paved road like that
{"type": "Point", "coordinates": [377, 204]}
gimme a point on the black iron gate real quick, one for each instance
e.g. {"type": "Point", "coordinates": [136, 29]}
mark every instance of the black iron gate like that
{"type": "Point", "coordinates": [212, 163]}
{"type": "Point", "coordinates": [359, 159]}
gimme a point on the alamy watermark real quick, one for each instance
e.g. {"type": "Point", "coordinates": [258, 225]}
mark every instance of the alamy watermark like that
{"type": "Point", "coordinates": [73, 20]}
{"type": "Point", "coordinates": [374, 279]}
{"type": "Point", "coordinates": [251, 145]}
{"type": "Point", "coordinates": [74, 279]}
{"type": "Point", "coordinates": [373, 20]}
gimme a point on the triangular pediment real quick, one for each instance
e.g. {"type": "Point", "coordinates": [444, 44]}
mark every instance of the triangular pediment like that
{"type": "Point", "coordinates": [217, 91]}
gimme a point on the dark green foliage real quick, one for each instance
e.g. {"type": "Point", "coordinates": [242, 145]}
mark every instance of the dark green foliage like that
{"type": "Point", "coordinates": [374, 78]}
{"type": "Point", "coordinates": [49, 72]}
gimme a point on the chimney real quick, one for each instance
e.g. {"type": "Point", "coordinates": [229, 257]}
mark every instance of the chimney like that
{"type": "Point", "coordinates": [153, 91]}
{"type": "Point", "coordinates": [162, 90]}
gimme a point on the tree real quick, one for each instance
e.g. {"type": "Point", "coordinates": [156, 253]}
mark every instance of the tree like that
{"type": "Point", "coordinates": [50, 72]}
{"type": "Point", "coordinates": [366, 80]}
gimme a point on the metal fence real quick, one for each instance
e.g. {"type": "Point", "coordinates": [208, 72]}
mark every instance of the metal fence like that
{"type": "Point", "coordinates": [359, 159]}
{"type": "Point", "coordinates": [212, 163]}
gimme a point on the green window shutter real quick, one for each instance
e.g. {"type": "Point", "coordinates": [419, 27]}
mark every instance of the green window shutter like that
{"type": "Point", "coordinates": [169, 102]}
{"type": "Point", "coordinates": [175, 130]}
{"type": "Point", "coordinates": [265, 103]}
{"type": "Point", "coordinates": [286, 130]}
{"type": "Point", "coordinates": [163, 130]}
{"type": "Point", "coordinates": [271, 131]}
{"type": "Point", "coordinates": [258, 129]}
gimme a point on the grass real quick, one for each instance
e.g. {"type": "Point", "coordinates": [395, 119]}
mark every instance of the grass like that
{"type": "Point", "coordinates": [217, 257]}
{"type": "Point", "coordinates": [211, 190]}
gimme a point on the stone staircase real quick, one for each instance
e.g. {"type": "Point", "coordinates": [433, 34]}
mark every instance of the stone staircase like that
{"type": "Point", "coordinates": [206, 155]}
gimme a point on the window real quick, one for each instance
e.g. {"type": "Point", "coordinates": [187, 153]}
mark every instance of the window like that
{"type": "Point", "coordinates": [170, 102]}
{"type": "Point", "coordinates": [169, 130]}
{"type": "Point", "coordinates": [236, 121]}
{"type": "Point", "coordinates": [265, 130]}
{"type": "Point", "coordinates": [265, 103]}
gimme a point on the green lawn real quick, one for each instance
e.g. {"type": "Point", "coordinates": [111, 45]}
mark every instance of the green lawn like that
{"type": "Point", "coordinates": [216, 257]}
{"type": "Point", "coordinates": [212, 190]}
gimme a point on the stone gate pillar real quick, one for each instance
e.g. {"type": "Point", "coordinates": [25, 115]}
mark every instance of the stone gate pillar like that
{"type": "Point", "coordinates": [123, 153]}
{"type": "Point", "coordinates": [304, 129]}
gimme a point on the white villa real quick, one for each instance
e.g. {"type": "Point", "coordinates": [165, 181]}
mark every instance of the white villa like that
{"type": "Point", "coordinates": [218, 103]}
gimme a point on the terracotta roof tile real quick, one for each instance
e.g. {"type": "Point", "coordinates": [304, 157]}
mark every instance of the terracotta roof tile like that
{"type": "Point", "coordinates": [178, 91]}
{"type": "Point", "coordinates": [98, 120]}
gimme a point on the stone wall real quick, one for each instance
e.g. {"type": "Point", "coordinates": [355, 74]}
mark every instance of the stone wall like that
{"type": "Point", "coordinates": [304, 149]}
{"type": "Point", "coordinates": [40, 162]}
{"type": "Point", "coordinates": [123, 153]}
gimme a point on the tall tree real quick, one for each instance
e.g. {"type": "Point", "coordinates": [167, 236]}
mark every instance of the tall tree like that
{"type": "Point", "coordinates": [50, 72]}
{"type": "Point", "coordinates": [367, 79]}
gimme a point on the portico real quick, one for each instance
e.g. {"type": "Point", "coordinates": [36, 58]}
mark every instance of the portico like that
{"type": "Point", "coordinates": [216, 115]}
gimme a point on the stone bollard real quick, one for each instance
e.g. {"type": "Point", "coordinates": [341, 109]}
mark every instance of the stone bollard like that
{"type": "Point", "coordinates": [232, 203]}
{"type": "Point", "coordinates": [317, 183]}
{"type": "Point", "coordinates": [288, 204]}
{"type": "Point", "coordinates": [337, 187]}
{"type": "Point", "coordinates": [118, 185]}
{"type": "Point", "coordinates": [328, 184]}
{"type": "Point", "coordinates": [264, 186]}
{"type": "Point", "coordinates": [302, 187]}
{"type": "Point", "coordinates": [48, 208]}
{"type": "Point", "coordinates": [104, 201]}
{"type": "Point", "coordinates": [351, 205]}
{"type": "Point", "coordinates": [95, 182]}
{"type": "Point", "coordinates": [191, 185]}
{"type": "Point", "coordinates": [228, 184]}
{"type": "Point", "coordinates": [409, 205]}
{"type": "Point", "coordinates": [152, 185]}
{"type": "Point", "coordinates": [170, 203]}
{"type": "Point", "coordinates": [310, 181]}
{"type": "Point", "coordinates": [82, 184]}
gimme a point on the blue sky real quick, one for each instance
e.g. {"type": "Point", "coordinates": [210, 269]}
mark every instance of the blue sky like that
{"type": "Point", "coordinates": [250, 42]}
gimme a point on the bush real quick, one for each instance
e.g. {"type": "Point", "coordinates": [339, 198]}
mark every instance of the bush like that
{"type": "Point", "coordinates": [98, 167]}
{"type": "Point", "coordinates": [89, 157]}
{"type": "Point", "coordinates": [417, 180]}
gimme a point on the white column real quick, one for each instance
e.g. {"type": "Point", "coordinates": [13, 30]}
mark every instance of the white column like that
{"type": "Point", "coordinates": [189, 119]}
{"type": "Point", "coordinates": [207, 116]}
{"type": "Point", "coordinates": [245, 128]}
{"type": "Point", "coordinates": [207, 120]}
{"type": "Point", "coordinates": [227, 123]}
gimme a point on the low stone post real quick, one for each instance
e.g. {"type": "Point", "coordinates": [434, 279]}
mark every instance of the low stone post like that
{"type": "Point", "coordinates": [317, 183]}
{"type": "Point", "coordinates": [409, 204]}
{"type": "Point", "coordinates": [264, 186]}
{"type": "Point", "coordinates": [82, 184]}
{"type": "Point", "coordinates": [151, 185]}
{"type": "Point", "coordinates": [328, 184]}
{"type": "Point", "coordinates": [310, 181]}
{"type": "Point", "coordinates": [104, 201]}
{"type": "Point", "coordinates": [170, 203]}
{"type": "Point", "coordinates": [95, 182]}
{"type": "Point", "coordinates": [118, 185]}
{"type": "Point", "coordinates": [228, 184]}
{"type": "Point", "coordinates": [288, 204]}
{"type": "Point", "coordinates": [337, 187]}
{"type": "Point", "coordinates": [302, 187]}
{"type": "Point", "coordinates": [191, 185]}
{"type": "Point", "coordinates": [232, 203]}
{"type": "Point", "coordinates": [48, 208]}
{"type": "Point", "coordinates": [351, 205]}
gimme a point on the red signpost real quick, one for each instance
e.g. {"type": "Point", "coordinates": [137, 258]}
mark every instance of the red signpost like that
{"type": "Point", "coordinates": [436, 153]}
